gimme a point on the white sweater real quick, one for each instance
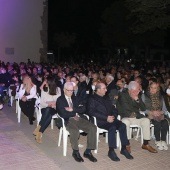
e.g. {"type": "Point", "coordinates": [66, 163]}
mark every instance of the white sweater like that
{"type": "Point", "coordinates": [46, 97]}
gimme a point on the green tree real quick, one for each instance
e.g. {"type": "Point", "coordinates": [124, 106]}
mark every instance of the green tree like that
{"type": "Point", "coordinates": [148, 15]}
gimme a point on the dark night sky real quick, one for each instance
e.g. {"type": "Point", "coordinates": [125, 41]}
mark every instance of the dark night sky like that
{"type": "Point", "coordinates": [75, 16]}
{"type": "Point", "coordinates": [82, 17]}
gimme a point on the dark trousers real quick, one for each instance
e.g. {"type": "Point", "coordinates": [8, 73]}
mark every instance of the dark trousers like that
{"type": "Point", "coordinates": [47, 114]}
{"type": "Point", "coordinates": [160, 129]}
{"type": "Point", "coordinates": [112, 127]}
{"type": "Point", "coordinates": [74, 126]}
{"type": "Point", "coordinates": [28, 108]}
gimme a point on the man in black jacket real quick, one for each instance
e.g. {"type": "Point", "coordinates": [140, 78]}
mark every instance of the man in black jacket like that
{"type": "Point", "coordinates": [101, 107]}
{"type": "Point", "coordinates": [111, 84]}
{"type": "Point", "coordinates": [68, 107]}
{"type": "Point", "coordinates": [79, 91]}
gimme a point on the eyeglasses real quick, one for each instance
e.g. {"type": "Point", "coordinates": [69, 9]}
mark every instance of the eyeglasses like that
{"type": "Point", "coordinates": [69, 90]}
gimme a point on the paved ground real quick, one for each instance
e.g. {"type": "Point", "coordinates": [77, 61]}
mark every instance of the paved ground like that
{"type": "Point", "coordinates": [19, 150]}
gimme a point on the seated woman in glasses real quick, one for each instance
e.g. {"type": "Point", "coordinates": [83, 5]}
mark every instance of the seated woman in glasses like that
{"type": "Point", "coordinates": [27, 96]}
{"type": "Point", "coordinates": [156, 111]}
{"type": "Point", "coordinates": [49, 94]}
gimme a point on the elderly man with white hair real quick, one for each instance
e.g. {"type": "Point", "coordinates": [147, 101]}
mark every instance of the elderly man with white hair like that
{"type": "Point", "coordinates": [111, 84]}
{"type": "Point", "coordinates": [129, 105]}
{"type": "Point", "coordinates": [69, 108]}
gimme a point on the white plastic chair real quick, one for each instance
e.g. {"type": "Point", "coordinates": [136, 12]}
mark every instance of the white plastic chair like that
{"type": "Point", "coordinates": [99, 131]}
{"type": "Point", "coordinates": [39, 115]}
{"type": "Point", "coordinates": [18, 110]}
{"type": "Point", "coordinates": [139, 129]}
{"type": "Point", "coordinates": [52, 120]}
{"type": "Point", "coordinates": [65, 133]}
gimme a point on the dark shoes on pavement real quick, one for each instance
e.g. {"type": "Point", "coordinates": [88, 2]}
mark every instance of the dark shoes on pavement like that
{"type": "Point", "coordinates": [77, 157]}
{"type": "Point", "coordinates": [126, 154]}
{"type": "Point", "coordinates": [112, 155]}
{"type": "Point", "coordinates": [90, 157]}
{"type": "Point", "coordinates": [149, 148]}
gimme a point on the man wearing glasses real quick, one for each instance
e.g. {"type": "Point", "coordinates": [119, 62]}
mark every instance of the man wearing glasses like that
{"type": "Point", "coordinates": [68, 107]}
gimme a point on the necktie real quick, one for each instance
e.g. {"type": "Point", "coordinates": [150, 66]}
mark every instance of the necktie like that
{"type": "Point", "coordinates": [71, 105]}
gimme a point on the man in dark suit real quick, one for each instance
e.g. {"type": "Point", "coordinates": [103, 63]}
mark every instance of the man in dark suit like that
{"type": "Point", "coordinates": [79, 91]}
{"type": "Point", "coordinates": [69, 107]}
{"type": "Point", "coordinates": [111, 84]}
{"type": "Point", "coordinates": [101, 107]}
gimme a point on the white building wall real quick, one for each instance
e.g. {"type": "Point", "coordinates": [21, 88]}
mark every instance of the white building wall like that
{"type": "Point", "coordinates": [20, 26]}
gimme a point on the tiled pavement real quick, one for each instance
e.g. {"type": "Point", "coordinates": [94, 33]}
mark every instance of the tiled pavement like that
{"type": "Point", "coordinates": [19, 150]}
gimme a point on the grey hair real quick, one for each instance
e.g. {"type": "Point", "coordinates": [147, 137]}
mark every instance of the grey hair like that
{"type": "Point", "coordinates": [67, 84]}
{"type": "Point", "coordinates": [132, 85]}
{"type": "Point", "coordinates": [110, 76]}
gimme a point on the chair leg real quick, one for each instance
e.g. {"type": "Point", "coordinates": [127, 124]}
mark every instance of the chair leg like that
{"type": "Point", "coordinates": [52, 123]}
{"type": "Point", "coordinates": [141, 131]}
{"type": "Point", "coordinates": [106, 137]}
{"type": "Point", "coordinates": [11, 100]}
{"type": "Point", "coordinates": [118, 142]}
{"type": "Point", "coordinates": [167, 136]}
{"type": "Point", "coordinates": [152, 132]}
{"type": "Point", "coordinates": [60, 135]}
{"type": "Point", "coordinates": [16, 106]}
{"type": "Point", "coordinates": [137, 135]}
{"type": "Point", "coordinates": [65, 136]}
{"type": "Point", "coordinates": [19, 114]}
{"type": "Point", "coordinates": [130, 133]}
{"type": "Point", "coordinates": [97, 141]}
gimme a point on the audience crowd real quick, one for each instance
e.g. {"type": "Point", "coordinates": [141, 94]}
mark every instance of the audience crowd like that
{"type": "Point", "coordinates": [117, 95]}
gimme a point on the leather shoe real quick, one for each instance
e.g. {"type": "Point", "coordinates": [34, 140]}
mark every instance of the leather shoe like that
{"type": "Point", "coordinates": [77, 157]}
{"type": "Point", "coordinates": [112, 155]}
{"type": "Point", "coordinates": [149, 148]}
{"type": "Point", "coordinates": [90, 157]}
{"type": "Point", "coordinates": [126, 154]}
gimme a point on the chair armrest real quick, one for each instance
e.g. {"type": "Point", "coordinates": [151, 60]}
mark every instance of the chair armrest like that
{"type": "Point", "coordinates": [86, 116]}
{"type": "Point", "coordinates": [95, 120]}
{"type": "Point", "coordinates": [62, 120]}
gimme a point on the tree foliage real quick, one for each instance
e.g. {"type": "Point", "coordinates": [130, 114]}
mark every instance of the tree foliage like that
{"type": "Point", "coordinates": [148, 15]}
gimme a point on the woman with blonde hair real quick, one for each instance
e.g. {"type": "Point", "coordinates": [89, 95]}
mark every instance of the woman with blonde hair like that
{"type": "Point", "coordinates": [156, 111]}
{"type": "Point", "coordinates": [27, 96]}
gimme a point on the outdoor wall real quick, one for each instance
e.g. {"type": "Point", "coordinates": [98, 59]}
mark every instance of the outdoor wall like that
{"type": "Point", "coordinates": [20, 25]}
